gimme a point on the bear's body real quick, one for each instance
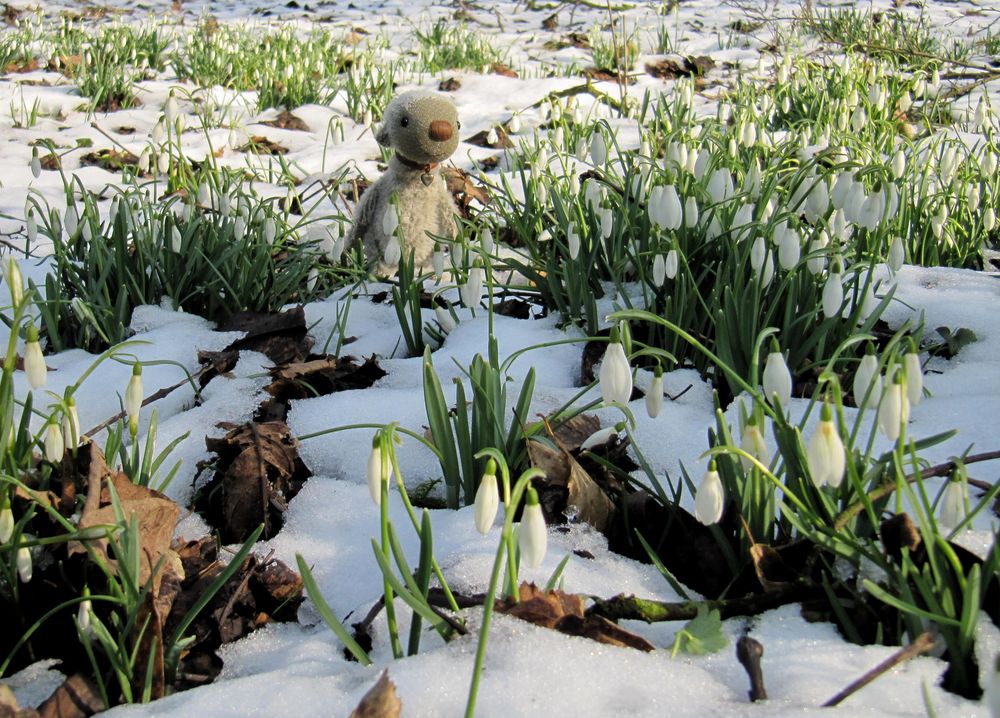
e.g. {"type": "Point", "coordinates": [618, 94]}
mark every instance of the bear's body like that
{"type": "Point", "coordinates": [422, 127]}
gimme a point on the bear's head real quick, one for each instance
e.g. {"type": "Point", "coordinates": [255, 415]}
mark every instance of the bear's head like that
{"type": "Point", "coordinates": [421, 126]}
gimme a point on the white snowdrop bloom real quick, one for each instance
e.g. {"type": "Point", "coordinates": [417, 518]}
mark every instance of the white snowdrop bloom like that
{"type": "Point", "coordinates": [487, 501]}
{"type": "Point", "coordinates": [867, 380]}
{"type": "Point", "coordinates": [239, 228]}
{"type": "Point", "coordinates": [31, 226]}
{"type": "Point", "coordinates": [988, 164]}
{"type": "Point", "coordinates": [753, 441]}
{"type": "Point", "coordinates": [767, 273]}
{"type": "Point", "coordinates": [743, 219]}
{"type": "Point", "coordinates": [159, 133]}
{"type": "Point", "coordinates": [702, 161]}
{"type": "Point", "coordinates": [607, 222]}
{"type": "Point", "coordinates": [55, 447]}
{"type": "Point", "coordinates": [35, 164]}
{"type": "Point", "coordinates": [670, 264]}
{"type": "Point", "coordinates": [671, 208]}
{"type": "Point", "coordinates": [514, 124]}
{"type": "Point", "coordinates": [894, 409]}
{"type": "Point", "coordinates": [598, 149]}
{"type": "Point", "coordinates": [492, 137]}
{"type": "Point", "coordinates": [898, 164]}
{"type": "Point", "coordinates": [989, 219]}
{"type": "Point", "coordinates": [390, 220]}
{"type": "Point", "coordinates": [175, 239]}
{"type": "Point", "coordinates": [972, 197]}
{"type": "Point", "coordinates": [15, 282]}
{"type": "Point", "coordinates": [817, 201]}
{"type": "Point", "coordinates": [34, 363]}
{"type": "Point", "coordinates": [472, 291]}
{"type": "Point", "coordinates": [615, 377]}
{"type": "Point", "coordinates": [817, 256]}
{"type": "Point", "coordinates": [532, 536]}
{"type": "Point", "coordinates": [897, 254]}
{"type": "Point", "coordinates": [777, 378]}
{"type": "Point", "coordinates": [748, 138]}
{"type": "Point", "coordinates": [486, 241]}
{"type": "Point", "coordinates": [825, 455]}
{"type": "Point", "coordinates": [581, 150]}
{"type": "Point", "coordinates": [948, 163]}
{"type": "Point", "coordinates": [544, 236]}
{"type": "Point", "coordinates": [871, 211]}
{"type": "Point", "coordinates": [758, 252]}
{"type": "Point", "coordinates": [690, 212]}
{"type": "Point", "coordinates": [858, 119]}
{"type": "Point", "coordinates": [710, 498]}
{"type": "Point", "coordinates": [833, 295]}
{"type": "Point", "coordinates": [375, 472]}
{"type": "Point", "coordinates": [953, 501]}
{"type": "Point", "coordinates": [163, 163]}
{"type": "Point", "coordinates": [6, 519]}
{"type": "Point", "coordinates": [393, 252]}
{"type": "Point", "coordinates": [654, 397]}
{"type": "Point", "coordinates": [71, 220]}
{"type": "Point", "coordinates": [841, 190]}
{"type": "Point", "coordinates": [444, 319]}
{"type": "Point", "coordinates": [654, 206]}
{"type": "Point", "coordinates": [935, 82]}
{"type": "Point", "coordinates": [789, 249]}
{"type": "Point", "coordinates": [437, 261]}
{"type": "Point", "coordinates": [914, 376]}
{"type": "Point", "coordinates": [659, 270]}
{"type": "Point", "coordinates": [572, 241]}
{"type": "Point", "coordinates": [204, 195]}
{"type": "Point", "coordinates": [720, 185]}
{"type": "Point", "coordinates": [22, 561]}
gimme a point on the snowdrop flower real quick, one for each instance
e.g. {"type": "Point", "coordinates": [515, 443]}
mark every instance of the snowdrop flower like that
{"type": "Point", "coordinates": [825, 453]}
{"type": "Point", "coordinates": [487, 499]}
{"type": "Point", "coordinates": [602, 436]}
{"type": "Point", "coordinates": [768, 271]}
{"type": "Point", "coordinates": [158, 135]}
{"type": "Point", "coordinates": [607, 222]}
{"type": "Point", "coordinates": [659, 270]}
{"type": "Point", "coordinates": [572, 241]}
{"type": "Point", "coordinates": [6, 519]}
{"type": "Point", "coordinates": [670, 263]}
{"type": "Point", "coordinates": [720, 185]}
{"type": "Point", "coordinates": [437, 261]}
{"type": "Point", "coordinates": [905, 102]}
{"type": "Point", "coordinates": [758, 252]}
{"type": "Point", "coordinates": [175, 240]}
{"type": "Point", "coordinates": [54, 445]}
{"type": "Point", "coordinates": [914, 375]}
{"type": "Point", "coordinates": [84, 612]}
{"type": "Point", "coordinates": [867, 380]}
{"type": "Point", "coordinates": [789, 249]}
{"type": "Point", "coordinates": [616, 373]}
{"type": "Point", "coordinates": [896, 254]}
{"type": "Point", "coordinates": [988, 164]}
{"type": "Point", "coordinates": [71, 423]}
{"type": "Point", "coordinates": [710, 497]}
{"type": "Point", "coordinates": [953, 502]}
{"type": "Point", "coordinates": [31, 226]}
{"type": "Point", "coordinates": [36, 163]}
{"type": "Point", "coordinates": [654, 397]}
{"type": "Point", "coordinates": [133, 398]}
{"type": "Point", "coordinates": [858, 119]}
{"type": "Point", "coordinates": [989, 219]}
{"type": "Point", "coordinates": [444, 319]}
{"type": "Point", "coordinates": [472, 291]}
{"type": "Point", "coordinates": [833, 294]}
{"type": "Point", "coordinates": [34, 363]}
{"type": "Point", "coordinates": [532, 536]}
{"type": "Point", "coordinates": [690, 212]}
{"type": "Point", "coordinates": [670, 211]}
{"type": "Point", "coordinates": [392, 252]}
{"type": "Point", "coordinates": [390, 220]}
{"type": "Point", "coordinates": [514, 124]}
{"type": "Point", "coordinates": [375, 472]}
{"type": "Point", "coordinates": [898, 164]}
{"type": "Point", "coordinates": [894, 410]}
{"type": "Point", "coordinates": [23, 562]}
{"type": "Point", "coordinates": [270, 230]}
{"type": "Point", "coordinates": [598, 149]}
{"type": "Point", "coordinates": [972, 196]}
{"type": "Point", "coordinates": [491, 137]}
{"type": "Point", "coordinates": [754, 443]}
{"type": "Point", "coordinates": [777, 377]}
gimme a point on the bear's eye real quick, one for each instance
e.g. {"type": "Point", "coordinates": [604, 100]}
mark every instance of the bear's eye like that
{"type": "Point", "coordinates": [458, 125]}
{"type": "Point", "coordinates": [404, 121]}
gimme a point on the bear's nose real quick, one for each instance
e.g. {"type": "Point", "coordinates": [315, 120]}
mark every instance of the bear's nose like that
{"type": "Point", "coordinates": [440, 130]}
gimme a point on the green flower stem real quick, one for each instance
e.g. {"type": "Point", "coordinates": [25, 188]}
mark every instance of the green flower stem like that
{"type": "Point", "coordinates": [385, 447]}
{"type": "Point", "coordinates": [505, 538]}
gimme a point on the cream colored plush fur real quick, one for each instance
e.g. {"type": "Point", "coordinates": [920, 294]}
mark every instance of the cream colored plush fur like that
{"type": "Point", "coordinates": [422, 128]}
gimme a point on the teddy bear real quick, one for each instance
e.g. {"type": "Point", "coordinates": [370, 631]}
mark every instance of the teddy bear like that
{"type": "Point", "coordinates": [422, 127]}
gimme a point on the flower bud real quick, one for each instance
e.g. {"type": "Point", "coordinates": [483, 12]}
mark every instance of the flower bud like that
{"type": "Point", "coordinates": [654, 397]}
{"type": "Point", "coordinates": [598, 148]}
{"type": "Point", "coordinates": [894, 410]}
{"type": "Point", "coordinates": [670, 264]}
{"type": "Point", "coordinates": [54, 444]}
{"type": "Point", "coordinates": [833, 295]}
{"type": "Point", "coordinates": [71, 423]}
{"type": "Point", "coordinates": [133, 398]}
{"type": "Point", "coordinates": [84, 611]}
{"type": "Point", "coordinates": [754, 443]}
{"type": "Point", "coordinates": [896, 254]}
{"type": "Point", "coordinates": [487, 499]}
{"type": "Point", "coordinates": [867, 380]}
{"type": "Point", "coordinates": [472, 291]}
{"type": "Point", "coordinates": [6, 519]}
{"type": "Point", "coordinates": [572, 241]}
{"type": "Point", "coordinates": [532, 537]}
{"type": "Point", "coordinates": [390, 220]}
{"type": "Point", "coordinates": [23, 562]}
{"type": "Point", "coordinates": [953, 502]}
{"type": "Point", "coordinates": [914, 375]}
{"type": "Point", "coordinates": [659, 270]}
{"type": "Point", "coordinates": [825, 453]}
{"type": "Point", "coordinates": [375, 471]}
{"type": "Point", "coordinates": [710, 498]}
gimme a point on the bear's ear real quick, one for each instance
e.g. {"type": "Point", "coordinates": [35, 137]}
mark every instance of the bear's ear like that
{"type": "Point", "coordinates": [382, 135]}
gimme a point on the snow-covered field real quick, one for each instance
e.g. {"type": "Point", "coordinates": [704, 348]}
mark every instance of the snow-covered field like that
{"type": "Point", "coordinates": [299, 669]}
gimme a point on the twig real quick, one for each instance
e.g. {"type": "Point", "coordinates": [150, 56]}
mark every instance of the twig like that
{"type": "Point", "coordinates": [650, 611]}
{"type": "Point", "coordinates": [923, 643]}
{"type": "Point", "coordinates": [885, 490]}
{"type": "Point", "coordinates": [749, 652]}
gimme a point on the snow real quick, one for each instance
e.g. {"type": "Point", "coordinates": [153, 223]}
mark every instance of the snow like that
{"type": "Point", "coordinates": [300, 669]}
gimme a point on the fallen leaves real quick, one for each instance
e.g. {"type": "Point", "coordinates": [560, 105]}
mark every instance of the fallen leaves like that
{"type": "Point", "coordinates": [464, 189]}
{"type": "Point", "coordinates": [565, 613]}
{"type": "Point", "coordinates": [110, 159]}
{"type": "Point", "coordinates": [261, 145]}
{"type": "Point", "coordinates": [258, 470]}
{"type": "Point", "coordinates": [380, 701]}
{"type": "Point", "coordinates": [671, 69]}
{"type": "Point", "coordinates": [287, 121]}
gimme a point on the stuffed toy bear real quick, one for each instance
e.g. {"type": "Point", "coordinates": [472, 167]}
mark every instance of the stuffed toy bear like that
{"type": "Point", "coordinates": [422, 127]}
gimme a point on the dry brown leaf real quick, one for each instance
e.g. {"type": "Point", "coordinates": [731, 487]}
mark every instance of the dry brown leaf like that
{"type": "Point", "coordinates": [500, 69]}
{"type": "Point", "coordinates": [561, 469]}
{"type": "Point", "coordinates": [287, 121]}
{"type": "Point", "coordinates": [380, 701]}
{"type": "Point", "coordinates": [771, 571]}
{"type": "Point", "coordinates": [260, 145]}
{"type": "Point", "coordinates": [76, 697]}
